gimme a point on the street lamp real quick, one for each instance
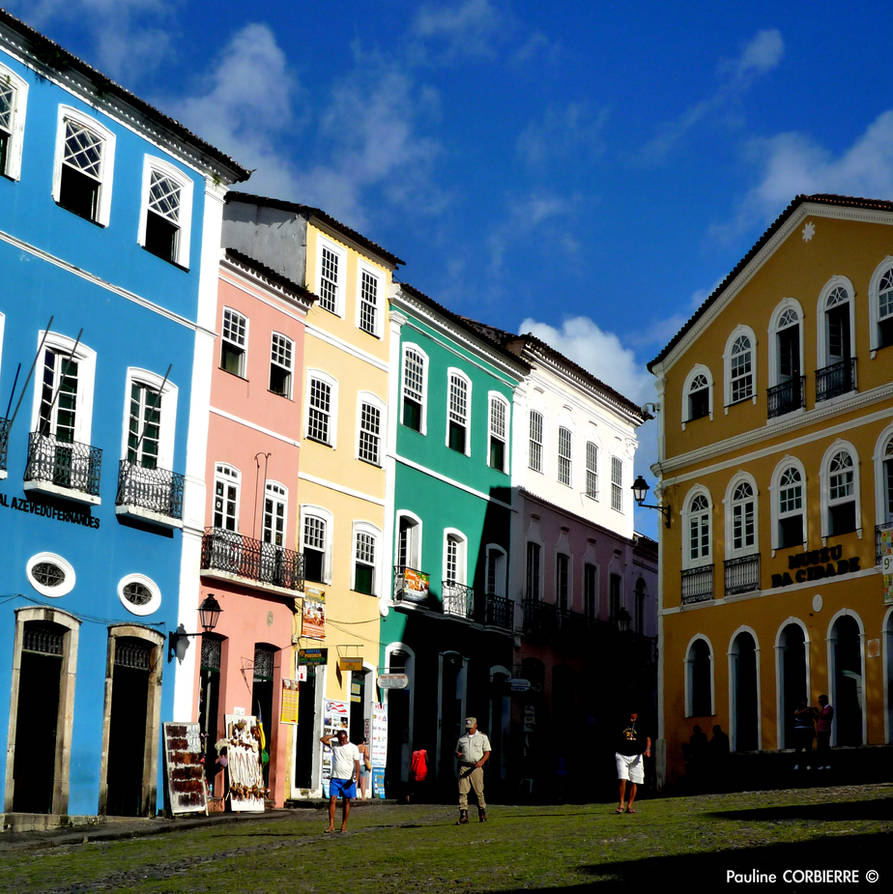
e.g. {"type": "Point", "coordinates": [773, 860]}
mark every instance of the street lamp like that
{"type": "Point", "coordinates": [208, 615]}
{"type": "Point", "coordinates": [640, 491]}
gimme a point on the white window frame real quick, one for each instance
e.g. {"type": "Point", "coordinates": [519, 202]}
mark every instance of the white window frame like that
{"type": "Point", "coordinates": [772, 354]}
{"type": "Point", "coordinates": [373, 531]}
{"type": "Point", "coordinates": [184, 218]}
{"type": "Point", "coordinates": [86, 360]}
{"type": "Point", "coordinates": [313, 375]}
{"type": "Point", "coordinates": [290, 342]}
{"type": "Point", "coordinates": [730, 504]}
{"type": "Point", "coordinates": [423, 397]}
{"type": "Point", "coordinates": [496, 554]}
{"type": "Point", "coordinates": [16, 141]}
{"type": "Point", "coordinates": [495, 398]}
{"type": "Point", "coordinates": [564, 462]}
{"type": "Point", "coordinates": [341, 255]}
{"type": "Point", "coordinates": [168, 416]}
{"type": "Point", "coordinates": [699, 369]}
{"type": "Point", "coordinates": [277, 493]}
{"type": "Point", "coordinates": [140, 610]}
{"type": "Point", "coordinates": [881, 455]}
{"type": "Point", "coordinates": [63, 589]}
{"type": "Point", "coordinates": [775, 499]}
{"type": "Point", "coordinates": [874, 298]}
{"type": "Point", "coordinates": [455, 535]}
{"type": "Point", "coordinates": [106, 178]}
{"type": "Point", "coordinates": [532, 441]}
{"type": "Point", "coordinates": [592, 470]}
{"type": "Point", "coordinates": [454, 372]}
{"type": "Point", "coordinates": [366, 398]}
{"type": "Point", "coordinates": [822, 335]}
{"type": "Point", "coordinates": [827, 502]}
{"type": "Point", "coordinates": [701, 559]}
{"type": "Point", "coordinates": [737, 333]}
{"type": "Point", "coordinates": [617, 492]}
{"type": "Point", "coordinates": [414, 551]}
{"type": "Point", "coordinates": [376, 276]}
{"type": "Point", "coordinates": [243, 362]}
{"type": "Point", "coordinates": [227, 474]}
{"type": "Point", "coordinates": [325, 516]}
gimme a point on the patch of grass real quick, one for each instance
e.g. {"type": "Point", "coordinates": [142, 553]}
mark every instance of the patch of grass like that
{"type": "Point", "coordinates": [400, 848]}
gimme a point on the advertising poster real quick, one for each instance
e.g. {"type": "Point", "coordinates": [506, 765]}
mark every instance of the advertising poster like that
{"type": "Point", "coordinates": [887, 564]}
{"type": "Point", "coordinates": [313, 618]}
{"type": "Point", "coordinates": [379, 748]}
{"type": "Point", "coordinates": [336, 716]}
{"type": "Point", "coordinates": [290, 692]}
{"type": "Point", "coordinates": [246, 778]}
{"type": "Point", "coordinates": [415, 584]}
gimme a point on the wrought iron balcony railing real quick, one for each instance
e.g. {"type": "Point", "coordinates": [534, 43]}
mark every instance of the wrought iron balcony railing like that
{"type": "Point", "coordinates": [540, 617]}
{"type": "Point", "coordinates": [838, 378]}
{"type": "Point", "coordinates": [265, 563]}
{"type": "Point", "coordinates": [4, 443]}
{"type": "Point", "coordinates": [697, 584]}
{"type": "Point", "coordinates": [879, 546]}
{"type": "Point", "coordinates": [499, 611]}
{"type": "Point", "coordinates": [66, 464]}
{"type": "Point", "coordinates": [153, 490]}
{"type": "Point", "coordinates": [742, 574]}
{"type": "Point", "coordinates": [787, 396]}
{"type": "Point", "coordinates": [458, 599]}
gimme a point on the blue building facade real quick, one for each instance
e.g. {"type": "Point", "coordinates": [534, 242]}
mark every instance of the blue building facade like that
{"type": "Point", "coordinates": [109, 232]}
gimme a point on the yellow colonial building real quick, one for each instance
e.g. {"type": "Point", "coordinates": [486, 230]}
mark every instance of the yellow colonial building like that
{"type": "Point", "coordinates": [776, 463]}
{"type": "Point", "coordinates": [344, 466]}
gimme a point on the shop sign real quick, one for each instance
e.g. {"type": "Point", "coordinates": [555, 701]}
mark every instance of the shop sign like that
{"type": "Point", "coordinates": [81, 517]}
{"type": "Point", "coordinates": [351, 663]}
{"type": "Point", "coordinates": [313, 656]}
{"type": "Point", "coordinates": [816, 564]}
{"type": "Point", "coordinates": [887, 564]}
{"type": "Point", "coordinates": [393, 681]}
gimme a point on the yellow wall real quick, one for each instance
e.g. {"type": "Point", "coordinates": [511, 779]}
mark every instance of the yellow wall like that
{"type": "Point", "coordinates": [710, 451]}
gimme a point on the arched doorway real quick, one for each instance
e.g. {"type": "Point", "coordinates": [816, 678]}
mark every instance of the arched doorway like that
{"type": "Point", "coordinates": [847, 694]}
{"type": "Point", "coordinates": [745, 693]}
{"type": "Point", "coordinates": [792, 679]}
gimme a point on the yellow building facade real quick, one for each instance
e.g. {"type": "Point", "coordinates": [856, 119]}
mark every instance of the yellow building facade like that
{"type": "Point", "coordinates": [776, 460]}
{"type": "Point", "coordinates": [344, 470]}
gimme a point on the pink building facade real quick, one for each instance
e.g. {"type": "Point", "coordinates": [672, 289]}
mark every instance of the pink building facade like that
{"type": "Point", "coordinates": [249, 562]}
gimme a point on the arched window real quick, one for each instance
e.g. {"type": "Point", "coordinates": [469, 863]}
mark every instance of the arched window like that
{"type": "Point", "coordinates": [840, 491]}
{"type": "Point", "coordinates": [785, 362]}
{"type": "Point", "coordinates": [698, 530]}
{"type": "Point", "coordinates": [836, 372]}
{"type": "Point", "coordinates": [699, 679]}
{"type": "Point", "coordinates": [743, 510]}
{"type": "Point", "coordinates": [883, 472]}
{"type": "Point", "coordinates": [740, 366]}
{"type": "Point", "coordinates": [788, 505]}
{"type": "Point", "coordinates": [880, 303]}
{"type": "Point", "coordinates": [415, 387]}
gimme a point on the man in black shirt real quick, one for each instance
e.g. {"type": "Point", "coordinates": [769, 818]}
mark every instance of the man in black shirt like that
{"type": "Point", "coordinates": [632, 749]}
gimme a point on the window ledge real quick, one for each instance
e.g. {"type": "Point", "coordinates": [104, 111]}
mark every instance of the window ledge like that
{"type": "Point", "coordinates": [229, 373]}
{"type": "Point", "coordinates": [90, 220]}
{"type": "Point", "coordinates": [157, 518]}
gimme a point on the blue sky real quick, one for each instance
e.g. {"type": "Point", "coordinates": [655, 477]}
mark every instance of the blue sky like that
{"type": "Point", "coordinates": [586, 171]}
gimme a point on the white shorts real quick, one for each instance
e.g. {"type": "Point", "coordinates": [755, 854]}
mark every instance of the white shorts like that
{"type": "Point", "coordinates": [631, 767]}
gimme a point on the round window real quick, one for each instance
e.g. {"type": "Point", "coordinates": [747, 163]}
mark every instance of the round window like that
{"type": "Point", "coordinates": [139, 594]}
{"type": "Point", "coordinates": [50, 575]}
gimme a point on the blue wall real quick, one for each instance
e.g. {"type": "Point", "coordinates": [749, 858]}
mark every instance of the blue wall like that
{"type": "Point", "coordinates": [122, 333]}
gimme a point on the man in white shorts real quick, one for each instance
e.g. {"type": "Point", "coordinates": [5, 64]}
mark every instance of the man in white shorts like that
{"type": "Point", "coordinates": [632, 749]}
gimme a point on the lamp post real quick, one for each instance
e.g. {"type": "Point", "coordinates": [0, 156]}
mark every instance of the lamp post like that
{"type": "Point", "coordinates": [208, 615]}
{"type": "Point", "coordinates": [640, 491]}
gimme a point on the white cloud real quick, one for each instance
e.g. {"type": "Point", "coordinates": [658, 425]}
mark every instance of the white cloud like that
{"type": "Point", "coordinates": [792, 163]}
{"type": "Point", "coordinates": [598, 351]}
{"type": "Point", "coordinates": [758, 57]}
{"type": "Point", "coordinates": [574, 131]}
{"type": "Point", "coordinates": [468, 28]}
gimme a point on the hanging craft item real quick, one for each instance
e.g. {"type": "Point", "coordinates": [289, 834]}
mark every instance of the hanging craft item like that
{"type": "Point", "coordinates": [246, 777]}
{"type": "Point", "coordinates": [185, 770]}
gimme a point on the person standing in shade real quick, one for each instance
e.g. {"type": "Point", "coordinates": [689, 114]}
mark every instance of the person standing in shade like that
{"type": "Point", "coordinates": [824, 714]}
{"type": "Point", "coordinates": [632, 749]}
{"type": "Point", "coordinates": [804, 733]}
{"type": "Point", "coordinates": [345, 772]}
{"type": "Point", "coordinates": [473, 751]}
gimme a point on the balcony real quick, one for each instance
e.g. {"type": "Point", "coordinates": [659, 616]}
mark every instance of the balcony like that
{"type": "Point", "coordinates": [883, 541]}
{"type": "Point", "coordinates": [540, 618]}
{"type": "Point", "coordinates": [64, 468]}
{"type": "Point", "coordinates": [230, 556]}
{"type": "Point", "coordinates": [836, 379]}
{"type": "Point", "coordinates": [499, 611]}
{"type": "Point", "coordinates": [697, 584]}
{"type": "Point", "coordinates": [4, 443]}
{"type": "Point", "coordinates": [458, 599]}
{"type": "Point", "coordinates": [151, 494]}
{"type": "Point", "coordinates": [742, 574]}
{"type": "Point", "coordinates": [786, 397]}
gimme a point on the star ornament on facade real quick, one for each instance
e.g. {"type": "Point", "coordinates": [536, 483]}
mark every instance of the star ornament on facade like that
{"type": "Point", "coordinates": [808, 231]}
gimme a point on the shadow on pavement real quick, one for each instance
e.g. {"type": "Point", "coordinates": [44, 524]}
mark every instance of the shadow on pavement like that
{"type": "Point", "coordinates": [879, 809]}
{"type": "Point", "coordinates": [710, 871]}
